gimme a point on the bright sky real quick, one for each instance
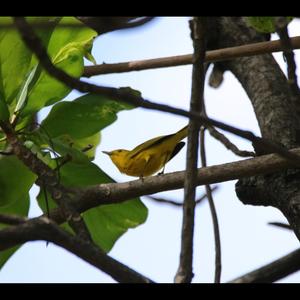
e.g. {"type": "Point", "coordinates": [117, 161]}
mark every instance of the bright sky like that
{"type": "Point", "coordinates": [153, 248]}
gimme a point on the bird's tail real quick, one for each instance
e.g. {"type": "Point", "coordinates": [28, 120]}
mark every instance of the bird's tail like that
{"type": "Point", "coordinates": [182, 133]}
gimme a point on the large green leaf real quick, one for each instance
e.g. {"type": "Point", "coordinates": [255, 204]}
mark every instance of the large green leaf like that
{"type": "Point", "coordinates": [66, 48]}
{"type": "Point", "coordinates": [106, 222]}
{"type": "Point", "coordinates": [15, 183]}
{"type": "Point", "coordinates": [14, 61]}
{"type": "Point", "coordinates": [15, 58]}
{"type": "Point", "coordinates": [82, 117]}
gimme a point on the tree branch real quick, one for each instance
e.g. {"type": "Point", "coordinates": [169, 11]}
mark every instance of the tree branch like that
{"type": "Point", "coordinates": [227, 143]}
{"type": "Point", "coordinates": [218, 263]}
{"type": "Point", "coordinates": [45, 229]}
{"type": "Point", "coordinates": [110, 193]}
{"type": "Point", "coordinates": [107, 24]}
{"type": "Point", "coordinates": [274, 271]}
{"type": "Point", "coordinates": [180, 60]}
{"type": "Point", "coordinates": [185, 270]}
{"type": "Point", "coordinates": [12, 219]}
{"type": "Point", "coordinates": [63, 196]}
{"type": "Point", "coordinates": [281, 225]}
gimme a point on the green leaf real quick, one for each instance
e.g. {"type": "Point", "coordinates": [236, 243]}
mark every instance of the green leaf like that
{"type": "Point", "coordinates": [20, 208]}
{"type": "Point", "coordinates": [22, 95]}
{"type": "Point", "coordinates": [106, 222]}
{"type": "Point", "coordinates": [94, 111]}
{"type": "Point", "coordinates": [264, 24]}
{"type": "Point", "coordinates": [4, 113]}
{"type": "Point", "coordinates": [15, 59]}
{"type": "Point", "coordinates": [66, 48]}
{"type": "Point", "coordinates": [15, 183]}
{"type": "Point", "coordinates": [15, 180]}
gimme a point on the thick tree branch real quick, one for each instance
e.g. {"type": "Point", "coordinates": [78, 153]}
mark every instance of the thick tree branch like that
{"type": "Point", "coordinates": [185, 270]}
{"type": "Point", "coordinates": [274, 271]}
{"type": "Point", "coordinates": [45, 229]}
{"type": "Point", "coordinates": [277, 110]}
{"type": "Point", "coordinates": [12, 219]}
{"type": "Point", "coordinates": [180, 60]}
{"type": "Point", "coordinates": [118, 192]}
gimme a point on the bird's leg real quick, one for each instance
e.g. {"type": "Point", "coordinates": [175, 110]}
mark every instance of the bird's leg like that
{"type": "Point", "coordinates": [166, 160]}
{"type": "Point", "coordinates": [162, 172]}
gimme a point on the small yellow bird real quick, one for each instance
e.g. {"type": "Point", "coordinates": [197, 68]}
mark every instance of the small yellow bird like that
{"type": "Point", "coordinates": [150, 156]}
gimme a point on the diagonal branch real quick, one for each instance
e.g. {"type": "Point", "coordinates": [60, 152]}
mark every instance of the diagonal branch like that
{"type": "Point", "coordinates": [274, 271]}
{"type": "Point", "coordinates": [281, 225]}
{"type": "Point", "coordinates": [45, 229]}
{"type": "Point", "coordinates": [185, 270]}
{"type": "Point", "coordinates": [227, 143]}
{"type": "Point", "coordinates": [181, 60]}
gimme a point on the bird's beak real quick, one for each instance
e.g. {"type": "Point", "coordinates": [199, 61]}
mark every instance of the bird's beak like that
{"type": "Point", "coordinates": [106, 152]}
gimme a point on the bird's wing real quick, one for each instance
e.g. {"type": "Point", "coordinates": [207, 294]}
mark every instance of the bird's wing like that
{"type": "Point", "coordinates": [177, 148]}
{"type": "Point", "coordinates": [146, 145]}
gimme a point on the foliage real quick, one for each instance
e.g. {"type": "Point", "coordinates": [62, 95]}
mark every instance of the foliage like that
{"type": "Point", "coordinates": [25, 89]}
{"type": "Point", "coordinates": [264, 24]}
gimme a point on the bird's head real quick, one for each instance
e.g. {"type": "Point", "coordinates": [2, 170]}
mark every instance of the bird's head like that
{"type": "Point", "coordinates": [118, 157]}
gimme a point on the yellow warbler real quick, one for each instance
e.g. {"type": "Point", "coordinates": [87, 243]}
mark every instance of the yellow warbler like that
{"type": "Point", "coordinates": [150, 156]}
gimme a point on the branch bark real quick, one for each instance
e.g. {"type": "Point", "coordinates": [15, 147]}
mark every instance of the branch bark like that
{"type": "Point", "coordinates": [274, 271]}
{"type": "Point", "coordinates": [185, 270]}
{"type": "Point", "coordinates": [118, 192]}
{"type": "Point", "coordinates": [278, 114]}
{"type": "Point", "coordinates": [45, 229]}
{"type": "Point", "coordinates": [181, 60]}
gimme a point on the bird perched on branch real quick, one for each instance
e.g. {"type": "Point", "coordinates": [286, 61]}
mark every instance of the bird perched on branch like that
{"type": "Point", "coordinates": [150, 156]}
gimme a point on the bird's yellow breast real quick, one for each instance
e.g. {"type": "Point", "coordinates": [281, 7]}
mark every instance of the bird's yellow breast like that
{"type": "Point", "coordinates": [145, 163]}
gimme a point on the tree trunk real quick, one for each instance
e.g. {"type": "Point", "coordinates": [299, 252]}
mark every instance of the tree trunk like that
{"type": "Point", "coordinates": [277, 111]}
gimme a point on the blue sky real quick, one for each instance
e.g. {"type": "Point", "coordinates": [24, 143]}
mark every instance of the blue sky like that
{"type": "Point", "coordinates": [153, 248]}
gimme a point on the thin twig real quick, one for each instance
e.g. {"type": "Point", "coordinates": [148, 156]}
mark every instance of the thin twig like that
{"type": "Point", "coordinates": [180, 204]}
{"type": "Point", "coordinates": [274, 271]}
{"type": "Point", "coordinates": [218, 263]}
{"type": "Point", "coordinates": [281, 225]}
{"type": "Point", "coordinates": [282, 30]}
{"type": "Point", "coordinates": [108, 24]}
{"type": "Point", "coordinates": [185, 270]}
{"type": "Point", "coordinates": [45, 229]}
{"type": "Point", "coordinates": [180, 60]}
{"type": "Point", "coordinates": [33, 42]}
{"type": "Point", "coordinates": [227, 143]}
